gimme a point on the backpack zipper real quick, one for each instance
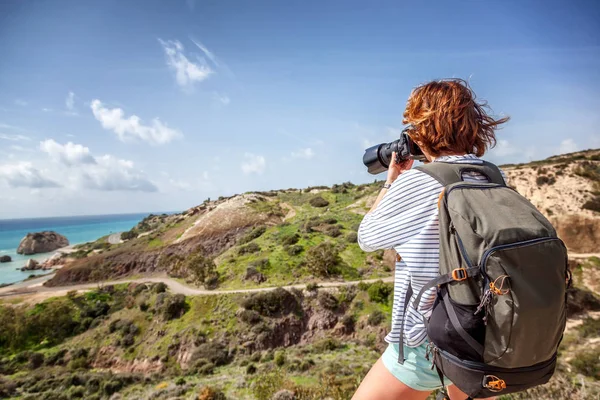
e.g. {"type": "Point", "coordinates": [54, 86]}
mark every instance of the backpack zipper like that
{"type": "Point", "coordinates": [490, 368]}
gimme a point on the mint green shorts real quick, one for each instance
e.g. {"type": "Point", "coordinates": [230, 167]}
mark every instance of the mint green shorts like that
{"type": "Point", "coordinates": [416, 371]}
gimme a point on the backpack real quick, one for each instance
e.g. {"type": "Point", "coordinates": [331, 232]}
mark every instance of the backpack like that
{"type": "Point", "coordinates": [500, 309]}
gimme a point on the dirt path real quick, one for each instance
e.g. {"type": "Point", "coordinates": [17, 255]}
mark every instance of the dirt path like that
{"type": "Point", "coordinates": [38, 292]}
{"type": "Point", "coordinates": [583, 255]}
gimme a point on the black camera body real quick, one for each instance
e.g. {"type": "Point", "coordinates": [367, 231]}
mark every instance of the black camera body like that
{"type": "Point", "coordinates": [377, 158]}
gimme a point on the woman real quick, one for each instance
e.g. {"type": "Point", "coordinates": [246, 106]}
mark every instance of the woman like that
{"type": "Point", "coordinates": [449, 126]}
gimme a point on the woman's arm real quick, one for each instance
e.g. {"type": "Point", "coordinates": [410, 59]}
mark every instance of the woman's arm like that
{"type": "Point", "coordinates": [394, 170]}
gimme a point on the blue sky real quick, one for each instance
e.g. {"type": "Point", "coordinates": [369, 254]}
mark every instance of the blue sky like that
{"type": "Point", "coordinates": [112, 106]}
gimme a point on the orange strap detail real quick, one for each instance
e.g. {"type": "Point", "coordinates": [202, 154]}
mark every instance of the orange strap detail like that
{"type": "Point", "coordinates": [494, 383]}
{"type": "Point", "coordinates": [499, 290]}
{"type": "Point", "coordinates": [440, 198]}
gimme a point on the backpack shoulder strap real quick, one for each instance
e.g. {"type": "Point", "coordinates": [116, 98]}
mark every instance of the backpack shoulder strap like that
{"type": "Point", "coordinates": [449, 173]}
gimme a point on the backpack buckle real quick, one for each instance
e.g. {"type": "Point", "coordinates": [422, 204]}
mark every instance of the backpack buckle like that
{"type": "Point", "coordinates": [493, 383]}
{"type": "Point", "coordinates": [459, 274]}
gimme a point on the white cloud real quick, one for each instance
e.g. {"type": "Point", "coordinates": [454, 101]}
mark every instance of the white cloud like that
{"type": "Point", "coordinates": [112, 174]}
{"type": "Point", "coordinates": [253, 164]}
{"type": "Point", "coordinates": [179, 184]}
{"type": "Point", "coordinates": [567, 146]}
{"type": "Point", "coordinates": [20, 148]}
{"type": "Point", "coordinates": [206, 52]}
{"type": "Point", "coordinates": [504, 148]}
{"type": "Point", "coordinates": [307, 153]}
{"type": "Point", "coordinates": [45, 109]}
{"type": "Point", "coordinates": [21, 102]}
{"type": "Point", "coordinates": [222, 98]}
{"type": "Point", "coordinates": [68, 154]}
{"type": "Point", "coordinates": [132, 127]}
{"type": "Point", "coordinates": [186, 72]}
{"type": "Point", "coordinates": [24, 174]}
{"type": "Point", "coordinates": [70, 104]}
{"type": "Point", "coordinates": [14, 138]}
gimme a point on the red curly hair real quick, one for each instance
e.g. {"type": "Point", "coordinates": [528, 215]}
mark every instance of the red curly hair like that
{"type": "Point", "coordinates": [446, 119]}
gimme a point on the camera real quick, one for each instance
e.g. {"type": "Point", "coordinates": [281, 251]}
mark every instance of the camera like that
{"type": "Point", "coordinates": [377, 158]}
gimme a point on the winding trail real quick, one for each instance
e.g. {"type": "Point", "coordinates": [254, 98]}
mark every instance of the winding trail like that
{"type": "Point", "coordinates": [35, 286]}
{"type": "Point", "coordinates": [115, 238]}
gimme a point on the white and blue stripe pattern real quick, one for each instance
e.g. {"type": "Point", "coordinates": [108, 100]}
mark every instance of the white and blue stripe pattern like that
{"type": "Point", "coordinates": [406, 220]}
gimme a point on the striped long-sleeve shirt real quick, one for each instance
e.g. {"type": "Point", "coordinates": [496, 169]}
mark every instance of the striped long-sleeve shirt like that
{"type": "Point", "coordinates": [406, 220]}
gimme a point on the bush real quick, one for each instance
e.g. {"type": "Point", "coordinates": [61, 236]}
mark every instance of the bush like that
{"type": "Point", "coordinates": [322, 259]}
{"type": "Point", "coordinates": [327, 344]}
{"type": "Point", "coordinates": [160, 287]}
{"type": "Point", "coordinates": [250, 369]}
{"type": "Point", "coordinates": [294, 250]}
{"type": "Point", "coordinates": [380, 291]}
{"type": "Point", "coordinates": [250, 316]}
{"type": "Point", "coordinates": [352, 237]}
{"type": "Point", "coordinates": [318, 201]}
{"type": "Point", "coordinates": [279, 358]}
{"type": "Point", "coordinates": [327, 300]}
{"type": "Point", "coordinates": [215, 352]}
{"type": "Point", "coordinates": [333, 231]}
{"type": "Point", "coordinates": [545, 180]}
{"type": "Point", "coordinates": [180, 381]}
{"type": "Point", "coordinates": [254, 233]}
{"type": "Point", "coordinates": [261, 263]}
{"type": "Point", "coordinates": [289, 240]}
{"type": "Point", "coordinates": [312, 287]}
{"type": "Point", "coordinates": [592, 205]}
{"type": "Point", "coordinates": [174, 307]}
{"type": "Point", "coordinates": [36, 360]}
{"type": "Point", "coordinates": [586, 363]}
{"type": "Point", "coordinates": [249, 249]}
{"type": "Point", "coordinates": [330, 221]}
{"type": "Point", "coordinates": [272, 303]}
{"type": "Point", "coordinates": [202, 269]}
{"type": "Point", "coordinates": [376, 318]}
{"type": "Point", "coordinates": [209, 393]}
{"type": "Point", "coordinates": [132, 234]}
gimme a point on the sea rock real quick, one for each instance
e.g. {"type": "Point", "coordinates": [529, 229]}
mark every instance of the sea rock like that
{"type": "Point", "coordinates": [31, 265]}
{"type": "Point", "coordinates": [41, 242]}
{"type": "Point", "coordinates": [5, 259]}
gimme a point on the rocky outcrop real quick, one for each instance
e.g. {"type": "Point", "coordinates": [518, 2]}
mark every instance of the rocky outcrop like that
{"type": "Point", "coordinates": [31, 265]}
{"type": "Point", "coordinates": [41, 242]}
{"type": "Point", "coordinates": [5, 259]}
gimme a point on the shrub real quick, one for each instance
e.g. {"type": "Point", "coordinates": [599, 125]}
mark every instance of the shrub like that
{"type": "Point", "coordinates": [322, 259]}
{"type": "Point", "coordinates": [201, 268]}
{"type": "Point", "coordinates": [327, 300]}
{"type": "Point", "coordinates": [327, 344]}
{"type": "Point", "coordinates": [249, 249]}
{"type": "Point", "coordinates": [279, 358]}
{"type": "Point", "coordinates": [180, 381]}
{"type": "Point", "coordinates": [261, 263]}
{"type": "Point", "coordinates": [333, 231]}
{"type": "Point", "coordinates": [376, 318]}
{"type": "Point", "coordinates": [348, 322]}
{"type": "Point", "coordinates": [254, 233]}
{"type": "Point", "coordinates": [593, 204]}
{"type": "Point", "coordinates": [250, 316]}
{"type": "Point", "coordinates": [271, 303]}
{"type": "Point", "coordinates": [132, 234]}
{"type": "Point", "coordinates": [380, 291]}
{"type": "Point", "coordinates": [209, 393]}
{"type": "Point", "coordinates": [330, 221]}
{"type": "Point", "coordinates": [312, 287]}
{"type": "Point", "coordinates": [174, 307]}
{"type": "Point", "coordinates": [289, 240]}
{"type": "Point", "coordinates": [352, 237]}
{"type": "Point", "coordinates": [347, 294]}
{"type": "Point", "coordinates": [545, 180]}
{"type": "Point", "coordinates": [318, 201]}
{"type": "Point", "coordinates": [294, 250]}
{"type": "Point", "coordinates": [160, 287]}
{"type": "Point", "coordinates": [36, 360]}
{"type": "Point", "coordinates": [586, 363]}
{"type": "Point", "coordinates": [250, 369]}
{"type": "Point", "coordinates": [214, 352]}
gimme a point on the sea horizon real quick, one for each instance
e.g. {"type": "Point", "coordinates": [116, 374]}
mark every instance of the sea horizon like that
{"type": "Point", "coordinates": [77, 229]}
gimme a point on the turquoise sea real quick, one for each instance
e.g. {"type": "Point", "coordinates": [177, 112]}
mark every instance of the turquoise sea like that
{"type": "Point", "coordinates": [77, 229]}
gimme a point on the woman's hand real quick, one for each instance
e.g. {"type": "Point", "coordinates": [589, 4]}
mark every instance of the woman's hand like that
{"type": "Point", "coordinates": [395, 169]}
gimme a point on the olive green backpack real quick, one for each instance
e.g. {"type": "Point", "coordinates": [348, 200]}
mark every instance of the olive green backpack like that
{"type": "Point", "coordinates": [500, 310]}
